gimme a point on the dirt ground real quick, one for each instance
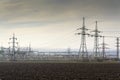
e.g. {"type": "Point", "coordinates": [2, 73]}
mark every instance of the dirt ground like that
{"type": "Point", "coordinates": [59, 71]}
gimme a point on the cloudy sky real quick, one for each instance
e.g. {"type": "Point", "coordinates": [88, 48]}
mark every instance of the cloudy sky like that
{"type": "Point", "coordinates": [52, 23]}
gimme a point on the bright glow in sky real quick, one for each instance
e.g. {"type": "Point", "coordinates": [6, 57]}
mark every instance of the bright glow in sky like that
{"type": "Point", "coordinates": [52, 23]}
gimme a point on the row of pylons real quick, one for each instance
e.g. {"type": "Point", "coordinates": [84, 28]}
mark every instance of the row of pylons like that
{"type": "Point", "coordinates": [83, 53]}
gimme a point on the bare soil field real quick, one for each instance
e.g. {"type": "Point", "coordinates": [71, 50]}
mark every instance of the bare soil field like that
{"type": "Point", "coordinates": [59, 71]}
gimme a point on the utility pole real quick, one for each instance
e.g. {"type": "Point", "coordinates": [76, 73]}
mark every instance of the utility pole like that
{"type": "Point", "coordinates": [96, 52]}
{"type": "Point", "coordinates": [2, 51]}
{"type": "Point", "coordinates": [83, 48]}
{"type": "Point", "coordinates": [13, 42]}
{"type": "Point", "coordinates": [29, 49]}
{"type": "Point", "coordinates": [69, 51]}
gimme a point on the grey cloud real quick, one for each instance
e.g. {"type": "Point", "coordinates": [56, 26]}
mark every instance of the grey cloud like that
{"type": "Point", "coordinates": [55, 10]}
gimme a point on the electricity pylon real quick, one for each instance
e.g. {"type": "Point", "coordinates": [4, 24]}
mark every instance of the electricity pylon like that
{"type": "Point", "coordinates": [118, 45]}
{"type": "Point", "coordinates": [13, 42]}
{"type": "Point", "coordinates": [104, 48]}
{"type": "Point", "coordinates": [96, 52]}
{"type": "Point", "coordinates": [83, 53]}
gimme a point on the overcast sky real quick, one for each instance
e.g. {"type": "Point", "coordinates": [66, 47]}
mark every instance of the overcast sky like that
{"type": "Point", "coordinates": [52, 23]}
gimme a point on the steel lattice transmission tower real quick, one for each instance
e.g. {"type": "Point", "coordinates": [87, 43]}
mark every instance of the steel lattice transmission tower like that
{"type": "Point", "coordinates": [13, 42]}
{"type": "Point", "coordinates": [118, 45]}
{"type": "Point", "coordinates": [96, 52]}
{"type": "Point", "coordinates": [104, 48]}
{"type": "Point", "coordinates": [83, 48]}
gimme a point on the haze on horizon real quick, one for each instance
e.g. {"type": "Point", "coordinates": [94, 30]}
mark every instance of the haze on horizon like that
{"type": "Point", "coordinates": [53, 23]}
